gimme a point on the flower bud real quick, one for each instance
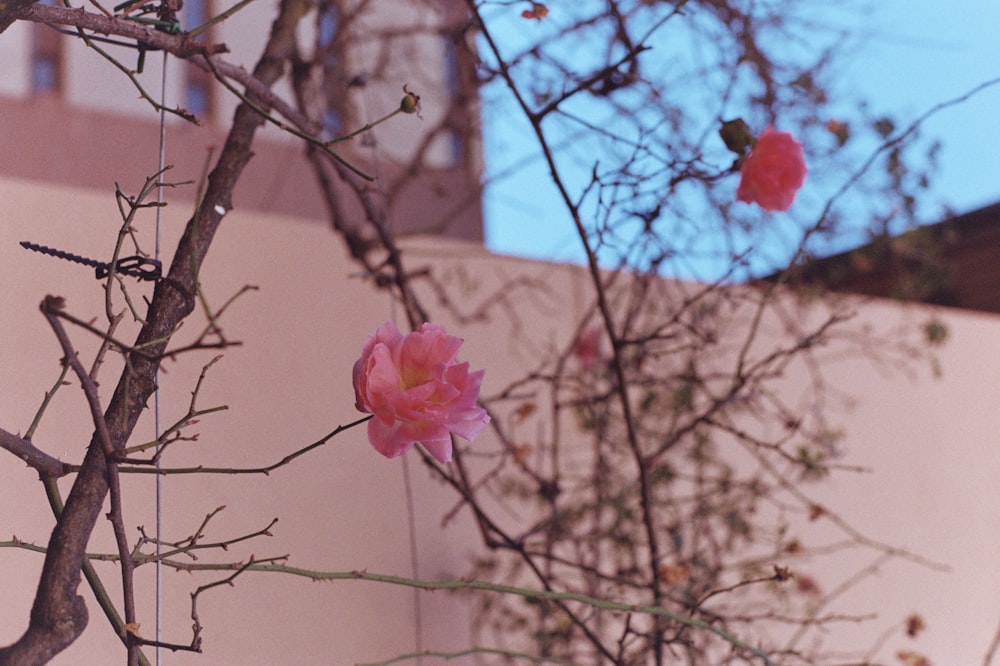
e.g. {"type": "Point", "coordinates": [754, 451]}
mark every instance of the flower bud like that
{"type": "Point", "coordinates": [736, 135]}
{"type": "Point", "coordinates": [410, 102]}
{"type": "Point", "coordinates": [838, 129]}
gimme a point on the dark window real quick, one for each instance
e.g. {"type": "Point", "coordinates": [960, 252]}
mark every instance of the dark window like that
{"type": "Point", "coordinates": [46, 58]}
{"type": "Point", "coordinates": [328, 56]}
{"type": "Point", "coordinates": [195, 13]}
{"type": "Point", "coordinates": [199, 85]}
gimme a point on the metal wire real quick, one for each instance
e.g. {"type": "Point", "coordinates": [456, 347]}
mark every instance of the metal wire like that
{"type": "Point", "coordinates": [162, 158]}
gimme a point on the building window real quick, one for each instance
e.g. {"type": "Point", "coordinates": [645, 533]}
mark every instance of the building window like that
{"type": "Point", "coordinates": [46, 58]}
{"type": "Point", "coordinates": [198, 84]}
{"type": "Point", "coordinates": [326, 29]}
{"type": "Point", "coordinates": [198, 98]}
{"type": "Point", "coordinates": [329, 57]}
{"type": "Point", "coordinates": [44, 74]}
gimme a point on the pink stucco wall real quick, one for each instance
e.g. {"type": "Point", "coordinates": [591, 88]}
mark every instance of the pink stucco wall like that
{"type": "Point", "coordinates": [927, 443]}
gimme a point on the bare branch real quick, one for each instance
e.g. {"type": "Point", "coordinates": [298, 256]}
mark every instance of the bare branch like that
{"type": "Point", "coordinates": [46, 465]}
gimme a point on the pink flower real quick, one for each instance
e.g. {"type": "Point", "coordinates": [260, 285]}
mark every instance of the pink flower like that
{"type": "Point", "coordinates": [416, 391]}
{"type": "Point", "coordinates": [773, 171]}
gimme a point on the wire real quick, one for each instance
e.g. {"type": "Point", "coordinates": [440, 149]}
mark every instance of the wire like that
{"type": "Point", "coordinates": [156, 396]}
{"type": "Point", "coordinates": [376, 157]}
{"type": "Point", "coordinates": [414, 561]}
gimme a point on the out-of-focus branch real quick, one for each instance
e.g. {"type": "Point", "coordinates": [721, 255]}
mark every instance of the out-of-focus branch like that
{"type": "Point", "coordinates": [992, 650]}
{"type": "Point", "coordinates": [606, 310]}
{"type": "Point", "coordinates": [375, 215]}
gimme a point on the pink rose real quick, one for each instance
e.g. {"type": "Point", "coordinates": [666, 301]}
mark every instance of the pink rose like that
{"type": "Point", "coordinates": [416, 391]}
{"type": "Point", "coordinates": [773, 171]}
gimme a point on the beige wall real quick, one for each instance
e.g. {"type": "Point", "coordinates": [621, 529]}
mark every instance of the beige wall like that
{"type": "Point", "coordinates": [929, 445]}
{"type": "Point", "coordinates": [15, 54]}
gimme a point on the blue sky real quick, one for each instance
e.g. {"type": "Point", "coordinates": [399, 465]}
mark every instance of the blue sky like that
{"type": "Point", "coordinates": [923, 53]}
{"type": "Point", "coordinates": [914, 56]}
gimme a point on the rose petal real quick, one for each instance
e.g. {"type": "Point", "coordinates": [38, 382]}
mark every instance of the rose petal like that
{"type": "Point", "coordinates": [441, 449]}
{"type": "Point", "coordinates": [417, 391]}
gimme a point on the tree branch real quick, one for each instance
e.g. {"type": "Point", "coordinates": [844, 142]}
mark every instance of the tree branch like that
{"type": "Point", "coordinates": [10, 11]}
{"type": "Point", "coordinates": [180, 45]}
{"type": "Point", "coordinates": [58, 615]}
{"type": "Point", "coordinates": [46, 465]}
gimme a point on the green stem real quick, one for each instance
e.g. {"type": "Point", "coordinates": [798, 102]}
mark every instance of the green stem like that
{"type": "Point", "coordinates": [93, 579]}
{"type": "Point", "coordinates": [365, 128]}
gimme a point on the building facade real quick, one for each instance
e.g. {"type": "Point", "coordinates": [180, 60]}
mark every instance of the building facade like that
{"type": "Point", "coordinates": [70, 117]}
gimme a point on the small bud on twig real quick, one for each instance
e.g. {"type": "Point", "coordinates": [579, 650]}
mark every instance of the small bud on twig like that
{"type": "Point", "coordinates": [410, 102]}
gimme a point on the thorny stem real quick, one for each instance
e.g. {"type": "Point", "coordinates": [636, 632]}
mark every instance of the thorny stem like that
{"type": "Point", "coordinates": [548, 595]}
{"type": "Point", "coordinates": [59, 614]}
{"type": "Point", "coordinates": [212, 327]}
{"type": "Point", "coordinates": [93, 579]}
{"type": "Point", "coordinates": [517, 657]}
{"type": "Point", "coordinates": [45, 402]}
{"type": "Point", "coordinates": [268, 566]}
{"type": "Point", "coordinates": [192, 413]}
{"type": "Point", "coordinates": [242, 470]}
{"type": "Point", "coordinates": [89, 387]}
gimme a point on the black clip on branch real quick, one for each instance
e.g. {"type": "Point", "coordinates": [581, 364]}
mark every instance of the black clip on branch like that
{"type": "Point", "coordinates": [132, 10]}
{"type": "Point", "coordinates": [136, 266]}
